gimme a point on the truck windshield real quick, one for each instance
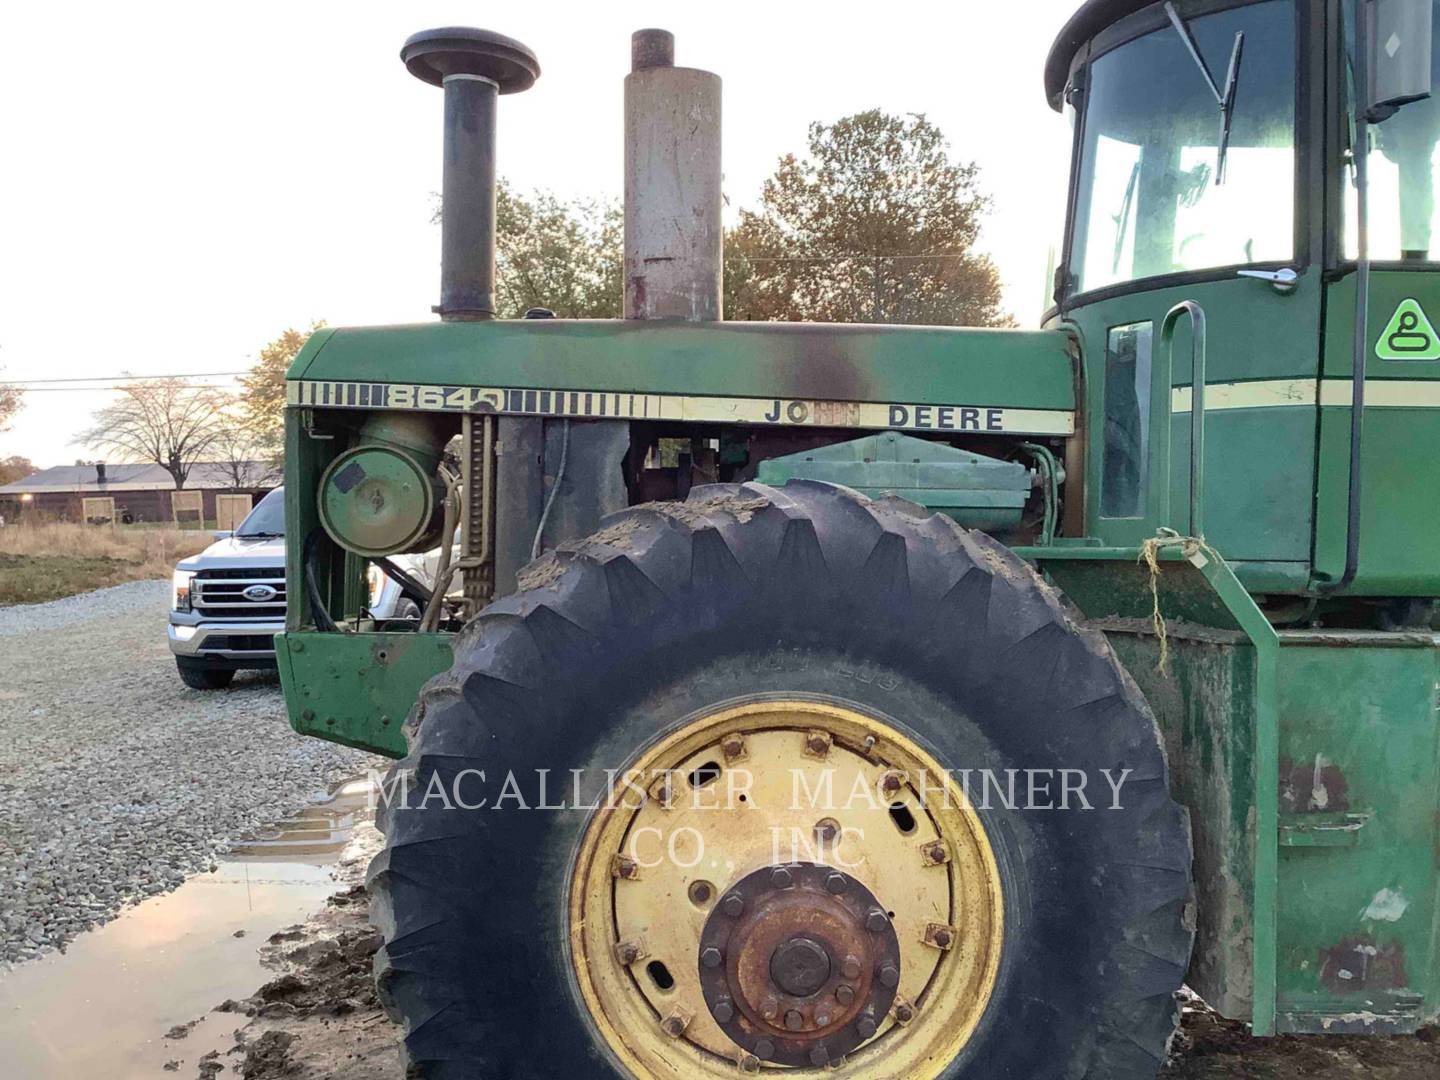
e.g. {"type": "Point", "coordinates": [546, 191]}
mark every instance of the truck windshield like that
{"type": "Point", "coordinates": [267, 519]}
{"type": "Point", "coordinates": [1151, 199]}
{"type": "Point", "coordinates": [1404, 173]}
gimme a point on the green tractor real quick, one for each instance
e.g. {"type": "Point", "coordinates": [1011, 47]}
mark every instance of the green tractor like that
{"type": "Point", "coordinates": [918, 702]}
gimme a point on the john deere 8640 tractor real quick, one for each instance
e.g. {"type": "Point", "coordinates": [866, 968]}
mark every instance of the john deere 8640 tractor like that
{"type": "Point", "coordinates": [911, 702]}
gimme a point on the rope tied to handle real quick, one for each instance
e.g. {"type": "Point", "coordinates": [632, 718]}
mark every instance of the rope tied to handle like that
{"type": "Point", "coordinates": [1195, 551]}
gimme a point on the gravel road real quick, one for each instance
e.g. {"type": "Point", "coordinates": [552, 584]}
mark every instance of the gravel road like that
{"type": "Point", "coordinates": [116, 781]}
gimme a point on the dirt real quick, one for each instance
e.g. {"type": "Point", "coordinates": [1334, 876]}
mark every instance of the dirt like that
{"type": "Point", "coordinates": [1210, 1046]}
{"type": "Point", "coordinates": [319, 1017]}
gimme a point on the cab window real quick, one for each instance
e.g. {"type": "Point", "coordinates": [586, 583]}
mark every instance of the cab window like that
{"type": "Point", "coordinates": [1156, 193]}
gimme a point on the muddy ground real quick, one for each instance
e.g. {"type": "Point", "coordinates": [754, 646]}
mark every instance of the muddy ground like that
{"type": "Point", "coordinates": [319, 1018]}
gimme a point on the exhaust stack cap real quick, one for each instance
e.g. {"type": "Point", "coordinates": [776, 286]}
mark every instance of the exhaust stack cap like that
{"type": "Point", "coordinates": [652, 48]}
{"type": "Point", "coordinates": [431, 55]}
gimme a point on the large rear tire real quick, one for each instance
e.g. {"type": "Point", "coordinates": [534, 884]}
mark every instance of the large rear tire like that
{"type": "Point", "coordinates": [752, 611]}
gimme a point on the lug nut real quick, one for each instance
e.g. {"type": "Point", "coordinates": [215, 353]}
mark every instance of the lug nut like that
{"type": "Point", "coordinates": [890, 975]}
{"type": "Point", "coordinates": [749, 1063]}
{"type": "Point", "coordinates": [765, 1049]}
{"type": "Point", "coordinates": [733, 905]}
{"type": "Point", "coordinates": [817, 744]}
{"type": "Point", "coordinates": [712, 957]}
{"type": "Point", "coordinates": [904, 1012]}
{"type": "Point", "coordinates": [935, 853]}
{"type": "Point", "coordinates": [850, 967]}
{"type": "Point", "coordinates": [628, 952]}
{"type": "Point", "coordinates": [827, 830]}
{"type": "Point", "coordinates": [781, 878]}
{"type": "Point", "coordinates": [892, 782]}
{"type": "Point", "coordinates": [866, 1027]}
{"type": "Point", "coordinates": [943, 939]}
{"type": "Point", "coordinates": [624, 867]}
{"type": "Point", "coordinates": [723, 1012]}
{"type": "Point", "coordinates": [820, 1056]}
{"type": "Point", "coordinates": [822, 1019]}
{"type": "Point", "coordinates": [793, 1020]}
{"type": "Point", "coordinates": [835, 883]}
{"type": "Point", "coordinates": [673, 1025]}
{"type": "Point", "coordinates": [733, 746]}
{"type": "Point", "coordinates": [844, 993]}
{"type": "Point", "coordinates": [770, 1009]}
{"type": "Point", "coordinates": [876, 921]}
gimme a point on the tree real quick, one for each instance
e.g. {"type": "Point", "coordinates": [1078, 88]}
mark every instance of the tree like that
{"type": "Point", "coordinates": [262, 391]}
{"type": "Point", "coordinates": [241, 459]}
{"type": "Point", "coordinates": [169, 422]}
{"type": "Point", "coordinates": [15, 468]}
{"type": "Point", "coordinates": [875, 224]}
{"type": "Point", "coordinates": [9, 405]}
{"type": "Point", "coordinates": [550, 253]}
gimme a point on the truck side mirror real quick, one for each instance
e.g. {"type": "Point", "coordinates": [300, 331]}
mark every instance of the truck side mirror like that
{"type": "Point", "coordinates": [1399, 60]}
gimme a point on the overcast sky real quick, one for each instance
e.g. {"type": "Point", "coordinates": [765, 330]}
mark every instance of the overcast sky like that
{"type": "Point", "coordinates": [181, 182]}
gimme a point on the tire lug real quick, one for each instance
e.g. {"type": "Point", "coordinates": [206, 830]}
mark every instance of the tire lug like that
{"type": "Point", "coordinates": [724, 1012]}
{"type": "Point", "coordinates": [876, 921]}
{"type": "Point", "coordinates": [844, 993]}
{"type": "Point", "coordinates": [625, 868]}
{"type": "Point", "coordinates": [749, 1063]}
{"type": "Point", "coordinates": [866, 1027]}
{"type": "Point", "coordinates": [819, 1056]}
{"type": "Point", "coordinates": [817, 744]}
{"type": "Point", "coordinates": [733, 905]}
{"type": "Point", "coordinates": [904, 1011]}
{"type": "Point", "coordinates": [835, 883]}
{"type": "Point", "coordinates": [781, 878]}
{"type": "Point", "coordinates": [711, 957]}
{"type": "Point", "coordinates": [630, 952]}
{"type": "Point", "coordinates": [892, 781]}
{"type": "Point", "coordinates": [765, 1049]}
{"type": "Point", "coordinates": [770, 1009]}
{"type": "Point", "coordinates": [675, 1024]}
{"type": "Point", "coordinates": [733, 747]}
{"type": "Point", "coordinates": [794, 1021]}
{"type": "Point", "coordinates": [850, 967]}
{"type": "Point", "coordinates": [890, 976]}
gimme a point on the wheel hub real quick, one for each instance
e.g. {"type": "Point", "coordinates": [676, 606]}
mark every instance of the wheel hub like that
{"type": "Point", "coordinates": [799, 964]}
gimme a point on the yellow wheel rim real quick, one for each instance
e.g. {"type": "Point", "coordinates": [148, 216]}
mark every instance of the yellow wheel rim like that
{"type": "Point", "coordinates": [757, 786]}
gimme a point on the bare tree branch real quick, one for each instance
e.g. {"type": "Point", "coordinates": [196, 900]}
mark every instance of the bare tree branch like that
{"type": "Point", "coordinates": [169, 422]}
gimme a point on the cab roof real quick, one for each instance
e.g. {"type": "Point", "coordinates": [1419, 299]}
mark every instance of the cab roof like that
{"type": "Point", "coordinates": [1092, 17]}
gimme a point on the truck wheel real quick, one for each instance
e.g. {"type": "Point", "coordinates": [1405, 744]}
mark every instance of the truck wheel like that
{"type": "Point", "coordinates": [771, 777]}
{"type": "Point", "coordinates": [199, 676]}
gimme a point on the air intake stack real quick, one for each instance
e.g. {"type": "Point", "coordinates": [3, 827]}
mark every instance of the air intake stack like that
{"type": "Point", "coordinates": [474, 67]}
{"type": "Point", "coordinates": [673, 234]}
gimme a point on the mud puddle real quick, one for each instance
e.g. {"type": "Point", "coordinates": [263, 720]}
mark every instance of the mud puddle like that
{"type": "Point", "coordinates": [104, 1007]}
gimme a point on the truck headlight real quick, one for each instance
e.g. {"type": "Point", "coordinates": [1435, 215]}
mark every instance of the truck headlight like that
{"type": "Point", "coordinates": [180, 582]}
{"type": "Point", "coordinates": [375, 578]}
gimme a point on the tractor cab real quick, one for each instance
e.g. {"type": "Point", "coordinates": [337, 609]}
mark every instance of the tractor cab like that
{"type": "Point", "coordinates": [1217, 164]}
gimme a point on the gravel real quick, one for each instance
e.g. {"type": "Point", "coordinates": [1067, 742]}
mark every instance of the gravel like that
{"type": "Point", "coordinates": [116, 781]}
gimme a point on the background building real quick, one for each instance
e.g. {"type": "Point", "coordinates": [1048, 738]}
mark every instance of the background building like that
{"type": "Point", "coordinates": [141, 492]}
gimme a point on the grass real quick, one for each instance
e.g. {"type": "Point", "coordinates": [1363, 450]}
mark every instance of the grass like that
{"type": "Point", "coordinates": [48, 560]}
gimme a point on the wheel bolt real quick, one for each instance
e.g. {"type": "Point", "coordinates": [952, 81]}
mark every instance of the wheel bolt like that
{"type": "Point", "coordinates": [876, 921]}
{"type": "Point", "coordinates": [820, 1056]}
{"type": "Point", "coordinates": [733, 905]}
{"type": "Point", "coordinates": [733, 746]}
{"type": "Point", "coordinates": [827, 830]}
{"type": "Point", "coordinates": [904, 1013]}
{"type": "Point", "coordinates": [844, 993]}
{"type": "Point", "coordinates": [749, 1063]}
{"type": "Point", "coordinates": [866, 1027]}
{"type": "Point", "coordinates": [723, 1012]}
{"type": "Point", "coordinates": [835, 883]}
{"type": "Point", "coordinates": [891, 782]}
{"type": "Point", "coordinates": [674, 1026]}
{"type": "Point", "coordinates": [781, 878]}
{"type": "Point", "coordinates": [765, 1049]}
{"type": "Point", "coordinates": [712, 957]}
{"type": "Point", "coordinates": [770, 1009]}
{"type": "Point", "coordinates": [793, 1020]}
{"type": "Point", "coordinates": [943, 938]}
{"type": "Point", "coordinates": [890, 975]}
{"type": "Point", "coordinates": [822, 1019]}
{"type": "Point", "coordinates": [850, 967]}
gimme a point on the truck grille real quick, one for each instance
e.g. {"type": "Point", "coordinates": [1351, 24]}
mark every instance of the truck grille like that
{"type": "Point", "coordinates": [222, 594]}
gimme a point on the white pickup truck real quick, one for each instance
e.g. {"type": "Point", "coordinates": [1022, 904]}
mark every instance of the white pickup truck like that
{"type": "Point", "coordinates": [228, 602]}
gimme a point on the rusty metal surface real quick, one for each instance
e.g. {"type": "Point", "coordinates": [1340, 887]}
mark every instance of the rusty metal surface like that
{"type": "Point", "coordinates": [799, 964]}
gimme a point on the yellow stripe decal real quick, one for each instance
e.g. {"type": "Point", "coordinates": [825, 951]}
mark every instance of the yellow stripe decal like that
{"type": "Point", "coordinates": [1280, 393]}
{"type": "Point", "coordinates": [607, 404]}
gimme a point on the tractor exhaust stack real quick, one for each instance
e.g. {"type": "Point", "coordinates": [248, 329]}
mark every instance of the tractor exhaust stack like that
{"type": "Point", "coordinates": [474, 67]}
{"type": "Point", "coordinates": [673, 233]}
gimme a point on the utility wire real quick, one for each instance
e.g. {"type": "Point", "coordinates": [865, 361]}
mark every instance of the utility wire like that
{"type": "Point", "coordinates": [122, 378]}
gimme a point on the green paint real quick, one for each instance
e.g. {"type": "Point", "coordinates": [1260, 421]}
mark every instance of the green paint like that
{"type": "Point", "coordinates": [357, 689]}
{"type": "Point", "coordinates": [1409, 335]}
{"type": "Point", "coordinates": [757, 360]}
{"type": "Point", "coordinates": [977, 491]}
